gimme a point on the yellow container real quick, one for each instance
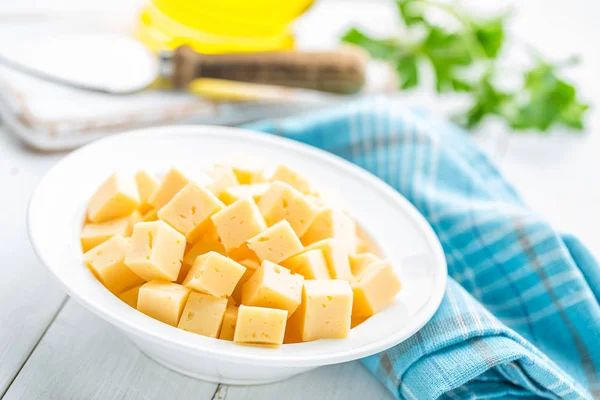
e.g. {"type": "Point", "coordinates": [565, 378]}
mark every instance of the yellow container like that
{"type": "Point", "coordinates": [220, 26]}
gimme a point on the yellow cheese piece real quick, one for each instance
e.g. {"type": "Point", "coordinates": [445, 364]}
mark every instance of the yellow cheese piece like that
{"type": "Point", "coordinates": [250, 263]}
{"type": "Point", "coordinates": [214, 274]}
{"type": "Point", "coordinates": [242, 253]}
{"type": "Point", "coordinates": [246, 170]}
{"type": "Point", "coordinates": [238, 222]}
{"type": "Point", "coordinates": [235, 193]}
{"type": "Point", "coordinates": [106, 261]}
{"type": "Point", "coordinates": [282, 201]}
{"type": "Point", "coordinates": [150, 216]}
{"type": "Point", "coordinates": [336, 257]}
{"type": "Point", "coordinates": [203, 314]}
{"type": "Point", "coordinates": [163, 301]}
{"type": "Point", "coordinates": [172, 183]}
{"type": "Point", "coordinates": [250, 267]}
{"type": "Point", "coordinates": [292, 178]}
{"type": "Point", "coordinates": [276, 244]}
{"type": "Point", "coordinates": [156, 251]}
{"type": "Point", "coordinates": [209, 240]}
{"type": "Point", "coordinates": [116, 197]}
{"type": "Point", "coordinates": [190, 209]}
{"type": "Point", "coordinates": [365, 243]}
{"type": "Point", "coordinates": [332, 223]}
{"type": "Point", "coordinates": [328, 197]}
{"type": "Point", "coordinates": [146, 185]}
{"type": "Point", "coordinates": [358, 262]}
{"type": "Point", "coordinates": [356, 321]}
{"type": "Point", "coordinates": [229, 322]}
{"type": "Point", "coordinates": [273, 286]}
{"type": "Point", "coordinates": [259, 325]}
{"type": "Point", "coordinates": [361, 246]}
{"type": "Point", "coordinates": [310, 264]}
{"type": "Point", "coordinates": [130, 296]}
{"type": "Point", "coordinates": [94, 234]}
{"type": "Point", "coordinates": [325, 312]}
{"type": "Point", "coordinates": [134, 218]}
{"type": "Point", "coordinates": [375, 288]}
{"type": "Point", "coordinates": [223, 178]}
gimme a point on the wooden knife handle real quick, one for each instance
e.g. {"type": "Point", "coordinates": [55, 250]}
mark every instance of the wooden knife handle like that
{"type": "Point", "coordinates": [338, 71]}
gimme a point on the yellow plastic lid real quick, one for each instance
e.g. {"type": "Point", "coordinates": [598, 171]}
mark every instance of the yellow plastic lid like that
{"type": "Point", "coordinates": [220, 26]}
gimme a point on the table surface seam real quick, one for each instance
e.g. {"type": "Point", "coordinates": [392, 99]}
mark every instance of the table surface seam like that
{"type": "Point", "coordinates": [56, 313]}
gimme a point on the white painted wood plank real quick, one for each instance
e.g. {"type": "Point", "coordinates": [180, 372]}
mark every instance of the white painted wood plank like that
{"type": "Point", "coordinates": [29, 297]}
{"type": "Point", "coordinates": [83, 357]}
{"type": "Point", "coordinates": [348, 381]}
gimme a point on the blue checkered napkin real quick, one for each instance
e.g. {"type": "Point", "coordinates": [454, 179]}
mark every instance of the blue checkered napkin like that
{"type": "Point", "coordinates": [521, 315]}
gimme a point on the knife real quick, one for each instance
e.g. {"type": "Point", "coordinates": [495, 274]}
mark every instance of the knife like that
{"type": "Point", "coordinates": [119, 65]}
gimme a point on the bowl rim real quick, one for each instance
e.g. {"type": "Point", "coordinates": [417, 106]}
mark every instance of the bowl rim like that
{"type": "Point", "coordinates": [259, 355]}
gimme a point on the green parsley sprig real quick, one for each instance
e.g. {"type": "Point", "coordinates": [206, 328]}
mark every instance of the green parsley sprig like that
{"type": "Point", "coordinates": [543, 100]}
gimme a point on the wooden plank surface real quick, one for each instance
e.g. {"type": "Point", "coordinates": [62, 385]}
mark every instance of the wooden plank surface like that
{"type": "Point", "coordinates": [346, 381]}
{"type": "Point", "coordinates": [79, 356]}
{"type": "Point", "coordinates": [29, 297]}
{"type": "Point", "coordinates": [83, 357]}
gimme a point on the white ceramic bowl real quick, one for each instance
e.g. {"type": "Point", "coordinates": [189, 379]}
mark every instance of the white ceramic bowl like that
{"type": "Point", "coordinates": [57, 209]}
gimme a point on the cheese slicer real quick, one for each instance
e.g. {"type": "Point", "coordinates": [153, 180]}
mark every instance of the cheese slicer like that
{"type": "Point", "coordinates": [120, 65]}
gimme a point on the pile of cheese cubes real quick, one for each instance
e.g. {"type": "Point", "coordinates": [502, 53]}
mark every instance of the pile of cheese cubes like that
{"type": "Point", "coordinates": [236, 254]}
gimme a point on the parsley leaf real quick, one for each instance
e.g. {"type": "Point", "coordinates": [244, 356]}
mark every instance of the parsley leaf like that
{"type": "Point", "coordinates": [544, 100]}
{"type": "Point", "coordinates": [408, 72]}
{"type": "Point", "coordinates": [410, 12]}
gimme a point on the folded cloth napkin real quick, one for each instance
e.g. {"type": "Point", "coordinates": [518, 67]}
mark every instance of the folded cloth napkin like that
{"type": "Point", "coordinates": [521, 314]}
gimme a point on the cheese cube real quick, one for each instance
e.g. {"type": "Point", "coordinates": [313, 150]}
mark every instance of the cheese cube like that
{"type": "Point", "coordinates": [203, 314]}
{"type": "Point", "coordinates": [364, 242]}
{"type": "Point", "coordinates": [332, 223]}
{"type": "Point", "coordinates": [130, 296]}
{"type": "Point", "coordinates": [106, 262]}
{"type": "Point", "coordinates": [246, 170]}
{"type": "Point", "coordinates": [310, 264]}
{"type": "Point", "coordinates": [235, 193]}
{"type": "Point", "coordinates": [156, 251]}
{"type": "Point", "coordinates": [237, 292]}
{"type": "Point", "coordinates": [325, 312]}
{"type": "Point", "coordinates": [282, 201]}
{"type": "Point", "coordinates": [361, 246]}
{"type": "Point", "coordinates": [336, 257]}
{"type": "Point", "coordinates": [292, 178]}
{"type": "Point", "coordinates": [94, 234]}
{"type": "Point", "coordinates": [242, 253]}
{"type": "Point", "coordinates": [146, 185]}
{"type": "Point", "coordinates": [356, 321]}
{"type": "Point", "coordinates": [358, 262]}
{"type": "Point", "coordinates": [276, 244]}
{"type": "Point", "coordinates": [223, 178]}
{"type": "Point", "coordinates": [134, 218]}
{"type": "Point", "coordinates": [214, 274]}
{"type": "Point", "coordinates": [273, 286]}
{"type": "Point", "coordinates": [238, 222]}
{"type": "Point", "coordinates": [209, 240]}
{"type": "Point", "coordinates": [172, 183]}
{"type": "Point", "coordinates": [116, 197]}
{"type": "Point", "coordinates": [374, 289]}
{"type": "Point", "coordinates": [250, 263]}
{"type": "Point", "coordinates": [229, 322]}
{"type": "Point", "coordinates": [189, 211]}
{"type": "Point", "coordinates": [150, 216]}
{"type": "Point", "coordinates": [260, 325]}
{"type": "Point", "coordinates": [163, 301]}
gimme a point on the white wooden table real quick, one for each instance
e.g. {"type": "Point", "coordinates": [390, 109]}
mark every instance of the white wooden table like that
{"type": "Point", "coordinates": [52, 348]}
